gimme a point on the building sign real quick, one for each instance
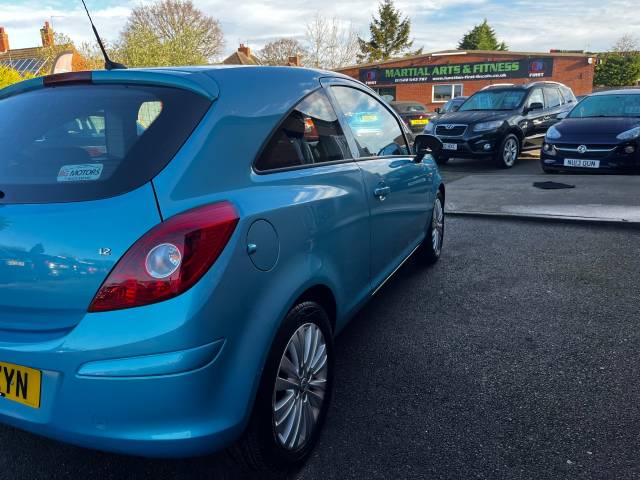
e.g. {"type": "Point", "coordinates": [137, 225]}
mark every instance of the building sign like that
{"type": "Point", "coordinates": [523, 68]}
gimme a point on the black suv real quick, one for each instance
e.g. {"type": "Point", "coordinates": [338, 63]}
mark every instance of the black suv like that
{"type": "Point", "coordinates": [499, 122]}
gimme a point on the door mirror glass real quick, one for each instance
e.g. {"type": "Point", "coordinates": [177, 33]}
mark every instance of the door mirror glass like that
{"type": "Point", "coordinates": [438, 110]}
{"type": "Point", "coordinates": [535, 106]}
{"type": "Point", "coordinates": [426, 145]}
{"type": "Point", "coordinates": [562, 115]}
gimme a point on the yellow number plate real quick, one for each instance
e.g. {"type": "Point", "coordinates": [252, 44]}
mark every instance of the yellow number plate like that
{"type": "Point", "coordinates": [20, 384]}
{"type": "Point", "coordinates": [423, 121]}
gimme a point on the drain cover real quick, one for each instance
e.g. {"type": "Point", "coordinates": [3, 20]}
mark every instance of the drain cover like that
{"type": "Point", "coordinates": [552, 185]}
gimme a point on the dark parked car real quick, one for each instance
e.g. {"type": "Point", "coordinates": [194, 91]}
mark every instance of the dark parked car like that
{"type": "Point", "coordinates": [414, 114]}
{"type": "Point", "coordinates": [501, 121]}
{"type": "Point", "coordinates": [452, 105]}
{"type": "Point", "coordinates": [601, 133]}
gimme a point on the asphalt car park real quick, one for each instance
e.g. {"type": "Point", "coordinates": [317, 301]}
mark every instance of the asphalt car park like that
{"type": "Point", "coordinates": [491, 364]}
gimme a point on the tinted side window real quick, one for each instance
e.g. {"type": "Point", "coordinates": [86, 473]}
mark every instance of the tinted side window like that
{"type": "Point", "coordinates": [310, 134]}
{"type": "Point", "coordinates": [553, 97]}
{"type": "Point", "coordinates": [376, 131]}
{"type": "Point", "coordinates": [535, 97]}
{"type": "Point", "coordinates": [568, 95]}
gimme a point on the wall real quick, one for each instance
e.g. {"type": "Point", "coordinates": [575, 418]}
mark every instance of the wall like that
{"type": "Point", "coordinates": [575, 72]}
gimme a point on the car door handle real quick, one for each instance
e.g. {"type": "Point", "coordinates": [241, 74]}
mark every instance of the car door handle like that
{"type": "Point", "coordinates": [382, 192]}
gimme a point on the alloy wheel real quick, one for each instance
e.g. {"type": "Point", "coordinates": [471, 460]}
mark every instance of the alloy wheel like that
{"type": "Point", "coordinates": [437, 226]}
{"type": "Point", "coordinates": [300, 388]}
{"type": "Point", "coordinates": [510, 152]}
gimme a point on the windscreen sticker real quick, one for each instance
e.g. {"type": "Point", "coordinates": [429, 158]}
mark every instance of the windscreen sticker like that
{"type": "Point", "coordinates": [80, 173]}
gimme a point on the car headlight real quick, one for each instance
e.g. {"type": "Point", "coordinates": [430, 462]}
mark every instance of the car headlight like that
{"type": "Point", "coordinates": [429, 128]}
{"type": "Point", "coordinates": [485, 126]}
{"type": "Point", "coordinates": [553, 133]}
{"type": "Point", "coordinates": [630, 134]}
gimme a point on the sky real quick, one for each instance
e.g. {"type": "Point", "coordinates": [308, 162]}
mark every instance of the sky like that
{"type": "Point", "coordinates": [525, 25]}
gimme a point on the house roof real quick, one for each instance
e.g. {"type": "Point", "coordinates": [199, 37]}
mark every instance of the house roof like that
{"type": "Point", "coordinates": [24, 60]}
{"type": "Point", "coordinates": [463, 53]}
{"type": "Point", "coordinates": [239, 58]}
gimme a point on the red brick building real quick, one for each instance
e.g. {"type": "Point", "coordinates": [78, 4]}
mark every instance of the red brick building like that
{"type": "Point", "coordinates": [434, 78]}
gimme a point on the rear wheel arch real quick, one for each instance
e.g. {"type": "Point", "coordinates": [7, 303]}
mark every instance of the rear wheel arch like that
{"type": "Point", "coordinates": [323, 296]}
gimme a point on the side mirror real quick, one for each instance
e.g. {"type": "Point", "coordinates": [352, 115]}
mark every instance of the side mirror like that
{"type": "Point", "coordinates": [535, 106]}
{"type": "Point", "coordinates": [424, 145]}
{"type": "Point", "coordinates": [438, 110]}
{"type": "Point", "coordinates": [562, 115]}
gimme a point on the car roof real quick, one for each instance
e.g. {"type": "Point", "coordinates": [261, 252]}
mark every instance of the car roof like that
{"type": "Point", "coordinates": [623, 91]}
{"type": "Point", "coordinates": [523, 86]}
{"type": "Point", "coordinates": [205, 80]}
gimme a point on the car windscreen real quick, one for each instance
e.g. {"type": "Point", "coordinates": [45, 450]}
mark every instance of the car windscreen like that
{"type": "Point", "coordinates": [494, 100]}
{"type": "Point", "coordinates": [623, 105]}
{"type": "Point", "coordinates": [86, 142]}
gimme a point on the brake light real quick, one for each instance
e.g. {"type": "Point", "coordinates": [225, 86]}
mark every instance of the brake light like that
{"type": "Point", "coordinates": [67, 77]}
{"type": "Point", "coordinates": [169, 259]}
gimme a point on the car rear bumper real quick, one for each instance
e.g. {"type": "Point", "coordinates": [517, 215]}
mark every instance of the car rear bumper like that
{"type": "Point", "coordinates": [166, 402]}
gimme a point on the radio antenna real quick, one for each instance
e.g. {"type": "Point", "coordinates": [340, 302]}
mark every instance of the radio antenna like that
{"type": "Point", "coordinates": [108, 63]}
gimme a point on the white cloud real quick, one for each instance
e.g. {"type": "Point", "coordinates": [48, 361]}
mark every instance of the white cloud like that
{"type": "Point", "coordinates": [531, 25]}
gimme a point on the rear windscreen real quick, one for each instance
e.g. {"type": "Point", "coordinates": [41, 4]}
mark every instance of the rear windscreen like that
{"type": "Point", "coordinates": [86, 142]}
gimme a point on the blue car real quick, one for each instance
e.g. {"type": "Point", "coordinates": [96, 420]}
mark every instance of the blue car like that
{"type": "Point", "coordinates": [173, 290]}
{"type": "Point", "coordinates": [601, 133]}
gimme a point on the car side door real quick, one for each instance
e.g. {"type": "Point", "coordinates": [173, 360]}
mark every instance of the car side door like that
{"type": "Point", "coordinates": [399, 190]}
{"type": "Point", "coordinates": [535, 113]}
{"type": "Point", "coordinates": [553, 101]}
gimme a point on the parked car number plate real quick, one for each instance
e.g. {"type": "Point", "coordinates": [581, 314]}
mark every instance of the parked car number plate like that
{"type": "Point", "coordinates": [576, 162]}
{"type": "Point", "coordinates": [450, 146]}
{"type": "Point", "coordinates": [20, 384]}
{"type": "Point", "coordinates": [419, 121]}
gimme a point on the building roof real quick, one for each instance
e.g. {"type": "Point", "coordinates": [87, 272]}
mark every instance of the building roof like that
{"type": "Point", "coordinates": [239, 58]}
{"type": "Point", "coordinates": [463, 53]}
{"type": "Point", "coordinates": [24, 60]}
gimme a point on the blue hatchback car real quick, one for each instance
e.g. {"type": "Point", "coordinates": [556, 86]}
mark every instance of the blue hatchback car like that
{"type": "Point", "coordinates": [179, 247]}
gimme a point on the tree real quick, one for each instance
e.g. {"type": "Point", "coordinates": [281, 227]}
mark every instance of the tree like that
{"type": "Point", "coordinates": [170, 32]}
{"type": "Point", "coordinates": [620, 66]}
{"type": "Point", "coordinates": [389, 35]}
{"type": "Point", "coordinates": [92, 58]}
{"type": "Point", "coordinates": [330, 43]}
{"type": "Point", "coordinates": [626, 43]}
{"type": "Point", "coordinates": [481, 37]}
{"type": "Point", "coordinates": [9, 76]}
{"type": "Point", "coordinates": [278, 51]}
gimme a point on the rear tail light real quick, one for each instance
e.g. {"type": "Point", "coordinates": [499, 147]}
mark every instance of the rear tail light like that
{"type": "Point", "coordinates": [169, 259]}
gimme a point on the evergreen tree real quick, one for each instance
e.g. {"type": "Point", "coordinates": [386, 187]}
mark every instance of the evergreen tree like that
{"type": "Point", "coordinates": [621, 66]}
{"type": "Point", "coordinates": [481, 37]}
{"type": "Point", "coordinates": [389, 35]}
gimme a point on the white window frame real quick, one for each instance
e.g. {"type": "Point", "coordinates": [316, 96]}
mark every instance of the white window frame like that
{"type": "Point", "coordinates": [453, 87]}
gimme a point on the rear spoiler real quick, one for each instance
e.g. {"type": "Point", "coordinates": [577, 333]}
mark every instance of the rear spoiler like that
{"type": "Point", "coordinates": [197, 82]}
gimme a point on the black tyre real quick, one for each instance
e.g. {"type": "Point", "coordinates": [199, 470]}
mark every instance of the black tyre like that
{"type": "Point", "coordinates": [294, 395]}
{"type": "Point", "coordinates": [431, 247]}
{"type": "Point", "coordinates": [440, 158]}
{"type": "Point", "coordinates": [508, 151]}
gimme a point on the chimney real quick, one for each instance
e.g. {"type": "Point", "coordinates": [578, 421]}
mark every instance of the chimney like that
{"type": "Point", "coordinates": [46, 33]}
{"type": "Point", "coordinates": [295, 61]}
{"type": "Point", "coordinates": [4, 41]}
{"type": "Point", "coordinates": [244, 49]}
